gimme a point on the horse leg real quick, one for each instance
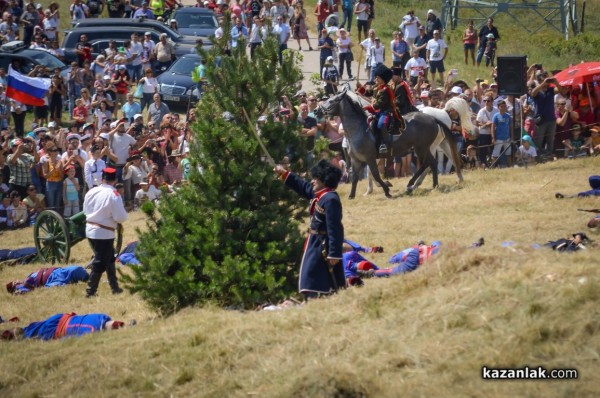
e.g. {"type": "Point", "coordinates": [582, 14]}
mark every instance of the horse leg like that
{"type": "Point", "coordinates": [375, 173]}
{"type": "Point", "coordinates": [434, 170]}
{"type": "Point", "coordinates": [418, 178]}
{"type": "Point", "coordinates": [357, 168]}
{"type": "Point", "coordinates": [448, 147]}
{"type": "Point", "coordinates": [370, 183]}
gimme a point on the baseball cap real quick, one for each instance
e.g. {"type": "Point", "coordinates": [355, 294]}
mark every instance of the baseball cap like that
{"type": "Point", "coordinates": [456, 90]}
{"type": "Point", "coordinates": [329, 59]}
{"type": "Point", "coordinates": [73, 137]}
{"type": "Point", "coordinates": [148, 34]}
{"type": "Point", "coordinates": [52, 124]}
{"type": "Point", "coordinates": [113, 125]}
{"type": "Point", "coordinates": [137, 115]}
{"type": "Point", "coordinates": [105, 136]}
{"type": "Point", "coordinates": [490, 36]}
{"type": "Point", "coordinates": [424, 94]}
{"type": "Point", "coordinates": [122, 67]}
{"type": "Point", "coordinates": [430, 11]}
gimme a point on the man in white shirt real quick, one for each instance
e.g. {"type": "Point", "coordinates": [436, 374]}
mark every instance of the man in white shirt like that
{"type": "Point", "coordinates": [437, 50]}
{"type": "Point", "coordinates": [146, 192]}
{"type": "Point", "coordinates": [93, 168]}
{"type": "Point", "coordinates": [136, 51]}
{"type": "Point", "coordinates": [104, 211]}
{"type": "Point", "coordinates": [414, 68]}
{"type": "Point", "coordinates": [410, 27]}
{"type": "Point", "coordinates": [282, 31]}
{"type": "Point", "coordinates": [120, 143]}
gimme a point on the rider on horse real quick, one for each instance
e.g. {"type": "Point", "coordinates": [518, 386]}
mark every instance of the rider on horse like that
{"type": "Point", "coordinates": [383, 106]}
{"type": "Point", "coordinates": [404, 100]}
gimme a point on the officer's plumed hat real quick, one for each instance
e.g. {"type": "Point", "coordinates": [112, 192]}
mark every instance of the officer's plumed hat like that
{"type": "Point", "coordinates": [327, 173]}
{"type": "Point", "coordinates": [384, 73]}
{"type": "Point", "coordinates": [109, 174]}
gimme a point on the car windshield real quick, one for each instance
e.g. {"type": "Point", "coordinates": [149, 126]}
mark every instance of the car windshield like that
{"type": "Point", "coordinates": [195, 21]}
{"type": "Point", "coordinates": [48, 60]}
{"type": "Point", "coordinates": [173, 33]}
{"type": "Point", "coordinates": [184, 66]}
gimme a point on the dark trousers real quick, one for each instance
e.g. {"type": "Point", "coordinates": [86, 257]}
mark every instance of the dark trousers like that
{"type": "Point", "coordinates": [485, 140]}
{"type": "Point", "coordinates": [104, 260]}
{"type": "Point", "coordinates": [19, 120]}
{"type": "Point", "coordinates": [253, 49]}
{"type": "Point", "coordinates": [282, 48]}
{"type": "Point", "coordinates": [347, 59]}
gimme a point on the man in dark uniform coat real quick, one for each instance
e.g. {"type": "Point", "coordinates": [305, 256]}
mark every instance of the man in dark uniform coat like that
{"type": "Point", "coordinates": [402, 94]}
{"type": "Point", "coordinates": [321, 271]}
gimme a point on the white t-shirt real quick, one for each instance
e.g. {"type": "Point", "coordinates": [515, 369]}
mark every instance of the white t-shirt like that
{"type": "Point", "coordinates": [79, 11]}
{"type": "Point", "coordinates": [120, 146]}
{"type": "Point", "coordinates": [485, 116]}
{"type": "Point", "coordinates": [531, 152]}
{"type": "Point", "coordinates": [436, 49]}
{"type": "Point", "coordinates": [81, 153]}
{"type": "Point", "coordinates": [377, 55]}
{"type": "Point", "coordinates": [415, 65]}
{"type": "Point", "coordinates": [149, 86]}
{"type": "Point", "coordinates": [152, 194]}
{"type": "Point", "coordinates": [136, 48]}
{"type": "Point", "coordinates": [344, 42]}
{"type": "Point", "coordinates": [410, 27]}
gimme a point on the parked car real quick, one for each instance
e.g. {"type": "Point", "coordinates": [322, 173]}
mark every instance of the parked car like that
{"type": "Point", "coordinates": [29, 58]}
{"type": "Point", "coordinates": [147, 24]}
{"type": "Point", "coordinates": [175, 85]}
{"type": "Point", "coordinates": [194, 21]}
{"type": "Point", "coordinates": [102, 35]}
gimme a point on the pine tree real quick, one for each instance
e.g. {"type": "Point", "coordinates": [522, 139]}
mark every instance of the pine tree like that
{"type": "Point", "coordinates": [231, 236]}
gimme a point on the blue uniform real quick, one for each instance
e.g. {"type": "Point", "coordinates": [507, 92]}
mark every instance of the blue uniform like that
{"type": "Point", "coordinates": [64, 325]}
{"type": "Point", "coordinates": [326, 232]}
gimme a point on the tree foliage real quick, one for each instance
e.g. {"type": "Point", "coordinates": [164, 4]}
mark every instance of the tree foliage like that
{"type": "Point", "coordinates": [231, 235]}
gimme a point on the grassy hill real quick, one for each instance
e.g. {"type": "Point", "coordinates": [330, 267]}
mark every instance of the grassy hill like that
{"type": "Point", "coordinates": [423, 334]}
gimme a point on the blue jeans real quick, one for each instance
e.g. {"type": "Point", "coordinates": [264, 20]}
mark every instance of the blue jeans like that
{"type": "Point", "coordinates": [480, 52]}
{"type": "Point", "coordinates": [372, 75]}
{"type": "Point", "coordinates": [347, 14]}
{"type": "Point", "coordinates": [135, 73]}
{"type": "Point", "coordinates": [54, 194]}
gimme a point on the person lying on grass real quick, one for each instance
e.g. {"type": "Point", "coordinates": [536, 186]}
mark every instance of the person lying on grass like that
{"type": "Point", "coordinates": [59, 326]}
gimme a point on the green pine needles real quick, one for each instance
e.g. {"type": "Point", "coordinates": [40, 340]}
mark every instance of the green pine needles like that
{"type": "Point", "coordinates": [231, 236]}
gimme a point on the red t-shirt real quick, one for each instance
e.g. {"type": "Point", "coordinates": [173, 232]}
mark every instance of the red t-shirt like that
{"type": "Point", "coordinates": [323, 7]}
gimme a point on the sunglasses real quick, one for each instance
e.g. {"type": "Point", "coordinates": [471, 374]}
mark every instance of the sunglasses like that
{"type": "Point", "coordinates": [487, 100]}
{"type": "Point", "coordinates": [312, 100]}
{"type": "Point", "coordinates": [562, 103]}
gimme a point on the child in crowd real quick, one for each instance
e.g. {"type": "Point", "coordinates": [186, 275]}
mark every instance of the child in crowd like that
{"type": "Point", "coordinates": [490, 50]}
{"type": "Point", "coordinates": [470, 159]}
{"type": "Point", "coordinates": [17, 211]}
{"type": "Point", "coordinates": [527, 153]}
{"type": "Point", "coordinates": [576, 144]}
{"type": "Point", "coordinates": [70, 195]}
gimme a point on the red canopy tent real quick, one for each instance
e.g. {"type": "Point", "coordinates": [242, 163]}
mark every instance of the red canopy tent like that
{"type": "Point", "coordinates": [585, 72]}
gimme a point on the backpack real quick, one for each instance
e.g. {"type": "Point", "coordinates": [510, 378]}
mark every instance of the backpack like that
{"type": "Point", "coordinates": [331, 73]}
{"type": "Point", "coordinates": [93, 6]}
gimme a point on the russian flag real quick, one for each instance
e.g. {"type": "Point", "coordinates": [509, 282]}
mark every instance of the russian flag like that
{"type": "Point", "coordinates": [25, 89]}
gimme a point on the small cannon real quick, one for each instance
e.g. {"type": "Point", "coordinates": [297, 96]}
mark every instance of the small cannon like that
{"type": "Point", "coordinates": [54, 235]}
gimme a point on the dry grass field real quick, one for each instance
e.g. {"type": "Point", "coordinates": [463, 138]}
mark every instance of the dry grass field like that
{"type": "Point", "coordinates": [423, 334]}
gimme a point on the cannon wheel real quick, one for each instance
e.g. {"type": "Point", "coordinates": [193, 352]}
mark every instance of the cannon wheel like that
{"type": "Point", "coordinates": [52, 238]}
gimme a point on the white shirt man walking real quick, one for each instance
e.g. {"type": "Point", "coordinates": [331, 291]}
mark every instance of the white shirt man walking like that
{"type": "Point", "coordinates": [104, 211]}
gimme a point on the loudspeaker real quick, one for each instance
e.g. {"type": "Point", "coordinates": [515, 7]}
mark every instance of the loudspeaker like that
{"type": "Point", "coordinates": [512, 74]}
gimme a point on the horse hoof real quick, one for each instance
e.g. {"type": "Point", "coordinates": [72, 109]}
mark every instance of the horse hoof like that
{"type": "Point", "coordinates": [389, 184]}
{"type": "Point", "coordinates": [409, 190]}
{"type": "Point", "coordinates": [387, 195]}
{"type": "Point", "coordinates": [368, 192]}
{"type": "Point", "coordinates": [350, 197]}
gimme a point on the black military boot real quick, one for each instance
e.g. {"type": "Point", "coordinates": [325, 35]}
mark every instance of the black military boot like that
{"type": "Point", "coordinates": [93, 284]}
{"type": "Point", "coordinates": [111, 274]}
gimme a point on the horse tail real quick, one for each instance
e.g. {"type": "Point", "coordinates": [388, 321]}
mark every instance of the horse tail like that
{"type": "Point", "coordinates": [448, 137]}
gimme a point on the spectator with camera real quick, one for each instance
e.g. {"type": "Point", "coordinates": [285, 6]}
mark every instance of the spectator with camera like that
{"type": "Point", "coordinates": [545, 119]}
{"type": "Point", "coordinates": [20, 163]}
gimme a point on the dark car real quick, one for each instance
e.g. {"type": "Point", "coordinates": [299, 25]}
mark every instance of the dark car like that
{"type": "Point", "coordinates": [147, 24]}
{"type": "Point", "coordinates": [175, 85]}
{"type": "Point", "coordinates": [194, 21]}
{"type": "Point", "coordinates": [29, 58]}
{"type": "Point", "coordinates": [118, 33]}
